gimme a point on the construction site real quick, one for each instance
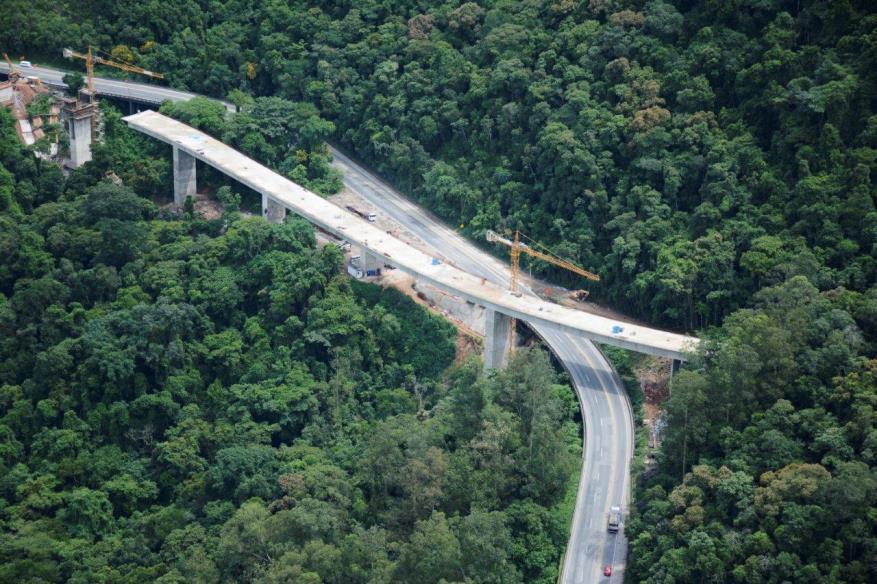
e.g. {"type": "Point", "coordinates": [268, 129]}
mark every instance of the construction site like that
{"type": "Point", "coordinates": [59, 120]}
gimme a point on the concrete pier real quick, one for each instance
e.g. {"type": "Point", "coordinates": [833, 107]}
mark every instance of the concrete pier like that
{"type": "Point", "coordinates": [370, 261]}
{"type": "Point", "coordinates": [272, 211]}
{"type": "Point", "coordinates": [497, 339]}
{"type": "Point", "coordinates": [184, 176]}
{"type": "Point", "coordinates": [79, 131]}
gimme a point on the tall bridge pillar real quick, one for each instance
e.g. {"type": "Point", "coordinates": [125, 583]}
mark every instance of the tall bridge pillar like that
{"type": "Point", "coordinates": [675, 365]}
{"type": "Point", "coordinates": [370, 261]}
{"type": "Point", "coordinates": [80, 116]}
{"type": "Point", "coordinates": [272, 211]}
{"type": "Point", "coordinates": [184, 176]}
{"type": "Point", "coordinates": [497, 339]}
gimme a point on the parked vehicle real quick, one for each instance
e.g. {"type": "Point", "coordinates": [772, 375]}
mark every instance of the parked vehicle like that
{"type": "Point", "coordinates": [367, 216]}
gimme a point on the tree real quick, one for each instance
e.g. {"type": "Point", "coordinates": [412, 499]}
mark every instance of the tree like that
{"type": "Point", "coordinates": [87, 513]}
{"type": "Point", "coordinates": [74, 82]}
{"type": "Point", "coordinates": [687, 419]}
{"type": "Point", "coordinates": [432, 554]}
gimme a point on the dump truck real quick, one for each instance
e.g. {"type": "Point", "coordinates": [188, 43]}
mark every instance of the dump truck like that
{"type": "Point", "coordinates": [614, 519]}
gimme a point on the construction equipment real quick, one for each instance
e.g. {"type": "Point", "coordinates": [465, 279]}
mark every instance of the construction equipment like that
{"type": "Point", "coordinates": [91, 58]}
{"type": "Point", "coordinates": [13, 72]}
{"type": "Point", "coordinates": [579, 295]}
{"type": "Point", "coordinates": [518, 247]}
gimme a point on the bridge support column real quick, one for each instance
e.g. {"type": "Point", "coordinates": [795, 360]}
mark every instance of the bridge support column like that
{"type": "Point", "coordinates": [675, 365]}
{"type": "Point", "coordinates": [369, 263]}
{"type": "Point", "coordinates": [272, 211]}
{"type": "Point", "coordinates": [79, 130]}
{"type": "Point", "coordinates": [497, 339]}
{"type": "Point", "coordinates": [184, 176]}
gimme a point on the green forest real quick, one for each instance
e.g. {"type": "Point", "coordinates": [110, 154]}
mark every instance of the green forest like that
{"type": "Point", "coordinates": [185, 400]}
{"type": "Point", "coordinates": [714, 161]}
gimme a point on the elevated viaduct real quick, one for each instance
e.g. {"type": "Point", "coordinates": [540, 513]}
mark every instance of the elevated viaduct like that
{"type": "Point", "coordinates": [279, 194]}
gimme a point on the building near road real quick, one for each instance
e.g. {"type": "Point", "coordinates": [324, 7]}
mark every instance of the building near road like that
{"type": "Point", "coordinates": [19, 94]}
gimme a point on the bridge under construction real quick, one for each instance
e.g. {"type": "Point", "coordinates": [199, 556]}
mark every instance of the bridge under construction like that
{"type": "Point", "coordinates": [280, 194]}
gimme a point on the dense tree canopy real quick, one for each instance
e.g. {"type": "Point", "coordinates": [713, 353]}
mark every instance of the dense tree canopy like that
{"type": "Point", "coordinates": [714, 161]}
{"type": "Point", "coordinates": [185, 400]}
{"type": "Point", "coordinates": [774, 443]}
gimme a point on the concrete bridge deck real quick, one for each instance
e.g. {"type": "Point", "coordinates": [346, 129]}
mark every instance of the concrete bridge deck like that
{"type": "Point", "coordinates": [332, 218]}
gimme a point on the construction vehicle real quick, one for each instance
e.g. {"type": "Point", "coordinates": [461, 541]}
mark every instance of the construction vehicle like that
{"type": "Point", "coordinates": [91, 58]}
{"type": "Point", "coordinates": [517, 248]}
{"type": "Point", "coordinates": [614, 519]}
{"type": "Point", "coordinates": [579, 295]}
{"type": "Point", "coordinates": [13, 73]}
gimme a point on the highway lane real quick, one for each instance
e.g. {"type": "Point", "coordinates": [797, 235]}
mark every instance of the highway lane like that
{"type": "Point", "coordinates": [608, 438]}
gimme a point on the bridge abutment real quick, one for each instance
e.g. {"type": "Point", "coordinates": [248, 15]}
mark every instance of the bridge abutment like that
{"type": "Point", "coordinates": [272, 211]}
{"type": "Point", "coordinates": [497, 339]}
{"type": "Point", "coordinates": [184, 176]}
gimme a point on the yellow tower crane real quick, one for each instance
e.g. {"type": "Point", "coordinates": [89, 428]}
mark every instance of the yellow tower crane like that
{"type": "Point", "coordinates": [91, 58]}
{"type": "Point", "coordinates": [517, 248]}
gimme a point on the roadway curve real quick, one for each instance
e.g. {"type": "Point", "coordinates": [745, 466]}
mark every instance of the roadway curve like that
{"type": "Point", "coordinates": [608, 432]}
{"type": "Point", "coordinates": [608, 425]}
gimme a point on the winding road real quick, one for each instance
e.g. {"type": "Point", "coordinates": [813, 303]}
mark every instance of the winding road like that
{"type": "Point", "coordinates": [608, 432]}
{"type": "Point", "coordinates": [608, 439]}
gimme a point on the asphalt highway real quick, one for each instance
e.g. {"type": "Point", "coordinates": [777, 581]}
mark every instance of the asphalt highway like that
{"type": "Point", "coordinates": [608, 438]}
